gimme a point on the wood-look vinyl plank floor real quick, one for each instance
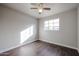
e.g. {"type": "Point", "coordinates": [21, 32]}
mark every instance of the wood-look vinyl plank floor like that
{"type": "Point", "coordinates": [40, 48]}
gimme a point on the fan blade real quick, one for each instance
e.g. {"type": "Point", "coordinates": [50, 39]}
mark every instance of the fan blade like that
{"type": "Point", "coordinates": [47, 8]}
{"type": "Point", "coordinates": [34, 8]}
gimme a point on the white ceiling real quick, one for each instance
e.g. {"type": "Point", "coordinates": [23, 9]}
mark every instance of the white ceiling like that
{"type": "Point", "coordinates": [55, 8]}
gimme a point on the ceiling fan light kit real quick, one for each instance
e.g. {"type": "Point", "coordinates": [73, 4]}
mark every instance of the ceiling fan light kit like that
{"type": "Point", "coordinates": [40, 7]}
{"type": "Point", "coordinates": [40, 11]}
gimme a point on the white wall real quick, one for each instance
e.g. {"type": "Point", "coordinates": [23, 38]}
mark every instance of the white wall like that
{"type": "Point", "coordinates": [11, 24]}
{"type": "Point", "coordinates": [67, 34]}
{"type": "Point", "coordinates": [78, 28]}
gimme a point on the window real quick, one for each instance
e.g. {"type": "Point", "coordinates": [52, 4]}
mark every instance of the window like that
{"type": "Point", "coordinates": [51, 24]}
{"type": "Point", "coordinates": [25, 34]}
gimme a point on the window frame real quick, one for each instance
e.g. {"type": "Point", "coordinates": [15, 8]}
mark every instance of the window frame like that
{"type": "Point", "coordinates": [53, 25]}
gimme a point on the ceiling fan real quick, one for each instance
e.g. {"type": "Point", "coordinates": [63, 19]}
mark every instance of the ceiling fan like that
{"type": "Point", "coordinates": [40, 7]}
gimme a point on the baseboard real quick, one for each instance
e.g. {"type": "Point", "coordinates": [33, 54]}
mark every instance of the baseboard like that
{"type": "Point", "coordinates": [61, 45]}
{"type": "Point", "coordinates": [78, 50]}
{"type": "Point", "coordinates": [19, 45]}
{"type": "Point", "coordinates": [7, 49]}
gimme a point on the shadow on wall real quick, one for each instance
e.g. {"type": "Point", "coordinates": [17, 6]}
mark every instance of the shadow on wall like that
{"type": "Point", "coordinates": [26, 34]}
